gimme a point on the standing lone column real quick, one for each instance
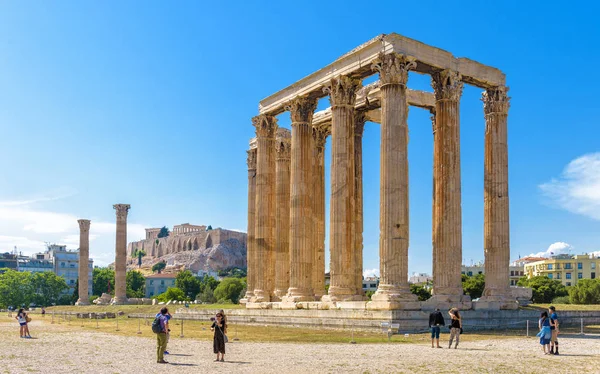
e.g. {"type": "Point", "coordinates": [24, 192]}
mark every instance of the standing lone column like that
{"type": "Point", "coordinates": [393, 291]}
{"type": "Point", "coordinates": [447, 228]}
{"type": "Point", "coordinates": [320, 135]}
{"type": "Point", "coordinates": [301, 210]}
{"type": "Point", "coordinates": [342, 95]}
{"type": "Point", "coordinates": [121, 254]}
{"type": "Point", "coordinates": [251, 246]}
{"type": "Point", "coordinates": [266, 126]}
{"type": "Point", "coordinates": [282, 206]}
{"type": "Point", "coordinates": [359, 126]}
{"type": "Point", "coordinates": [496, 218]}
{"type": "Point", "coordinates": [84, 259]}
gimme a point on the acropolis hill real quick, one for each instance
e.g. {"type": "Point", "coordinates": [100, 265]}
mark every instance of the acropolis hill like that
{"type": "Point", "coordinates": [191, 247]}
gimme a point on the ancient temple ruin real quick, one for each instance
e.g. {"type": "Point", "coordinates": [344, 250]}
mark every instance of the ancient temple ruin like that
{"type": "Point", "coordinates": [286, 189]}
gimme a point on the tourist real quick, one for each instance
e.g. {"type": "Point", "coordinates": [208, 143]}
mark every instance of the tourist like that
{"type": "Point", "coordinates": [168, 316]}
{"type": "Point", "coordinates": [43, 312]}
{"type": "Point", "coordinates": [219, 327]}
{"type": "Point", "coordinates": [544, 334]}
{"type": "Point", "coordinates": [553, 330]}
{"type": "Point", "coordinates": [161, 337]}
{"type": "Point", "coordinates": [436, 320]}
{"type": "Point", "coordinates": [22, 319]}
{"type": "Point", "coordinates": [455, 327]}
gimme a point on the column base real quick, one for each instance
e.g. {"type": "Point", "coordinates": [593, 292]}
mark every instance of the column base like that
{"type": "Point", "coordinates": [296, 294]}
{"type": "Point", "coordinates": [82, 302]}
{"type": "Point", "coordinates": [279, 294]}
{"type": "Point", "coordinates": [462, 302]}
{"type": "Point", "coordinates": [120, 300]}
{"type": "Point", "coordinates": [337, 294]}
{"type": "Point", "coordinates": [260, 296]}
{"type": "Point", "coordinates": [496, 303]}
{"type": "Point", "coordinates": [388, 297]}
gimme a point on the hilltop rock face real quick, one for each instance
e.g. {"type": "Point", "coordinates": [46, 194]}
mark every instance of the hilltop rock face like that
{"type": "Point", "coordinates": [225, 255]}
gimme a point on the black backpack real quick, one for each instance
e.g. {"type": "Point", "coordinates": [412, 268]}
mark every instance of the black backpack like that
{"type": "Point", "coordinates": [156, 327]}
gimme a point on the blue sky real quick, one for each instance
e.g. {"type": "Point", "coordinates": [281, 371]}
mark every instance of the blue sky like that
{"type": "Point", "coordinates": [150, 104]}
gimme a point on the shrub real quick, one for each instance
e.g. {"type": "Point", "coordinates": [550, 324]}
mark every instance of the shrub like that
{"type": "Point", "coordinates": [172, 293]}
{"type": "Point", "coordinates": [561, 300]}
{"type": "Point", "coordinates": [229, 289]}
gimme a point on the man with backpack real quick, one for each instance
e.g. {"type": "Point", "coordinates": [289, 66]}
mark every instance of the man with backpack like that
{"type": "Point", "coordinates": [160, 326]}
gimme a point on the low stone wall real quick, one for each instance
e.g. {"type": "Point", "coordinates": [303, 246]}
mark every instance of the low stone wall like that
{"type": "Point", "coordinates": [409, 321]}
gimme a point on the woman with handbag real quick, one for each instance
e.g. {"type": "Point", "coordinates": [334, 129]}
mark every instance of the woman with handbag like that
{"type": "Point", "coordinates": [219, 327]}
{"type": "Point", "coordinates": [22, 318]}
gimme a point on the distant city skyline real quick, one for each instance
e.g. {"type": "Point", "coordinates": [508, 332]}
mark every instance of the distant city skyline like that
{"type": "Point", "coordinates": [106, 103]}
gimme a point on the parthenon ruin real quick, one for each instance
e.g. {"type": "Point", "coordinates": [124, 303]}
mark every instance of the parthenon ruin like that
{"type": "Point", "coordinates": [286, 182]}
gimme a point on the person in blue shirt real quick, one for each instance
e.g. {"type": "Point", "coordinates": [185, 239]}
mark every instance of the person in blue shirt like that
{"type": "Point", "coordinates": [554, 330]}
{"type": "Point", "coordinates": [544, 334]}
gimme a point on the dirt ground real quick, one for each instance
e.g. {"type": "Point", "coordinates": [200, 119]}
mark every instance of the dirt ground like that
{"type": "Point", "coordinates": [61, 349]}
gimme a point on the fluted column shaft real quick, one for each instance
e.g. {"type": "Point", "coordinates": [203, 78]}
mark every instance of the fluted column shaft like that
{"type": "Point", "coordinates": [394, 226]}
{"type": "Point", "coordinates": [301, 208]}
{"type": "Point", "coordinates": [84, 259]}
{"type": "Point", "coordinates": [266, 127]}
{"type": "Point", "coordinates": [359, 126]}
{"type": "Point", "coordinates": [320, 137]}
{"type": "Point", "coordinates": [282, 219]}
{"type": "Point", "coordinates": [251, 245]}
{"type": "Point", "coordinates": [447, 230]}
{"type": "Point", "coordinates": [343, 197]}
{"type": "Point", "coordinates": [121, 253]}
{"type": "Point", "coordinates": [496, 218]}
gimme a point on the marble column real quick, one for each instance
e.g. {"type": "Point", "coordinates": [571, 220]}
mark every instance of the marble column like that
{"type": "Point", "coordinates": [433, 205]}
{"type": "Point", "coordinates": [251, 242]}
{"type": "Point", "coordinates": [84, 259]}
{"type": "Point", "coordinates": [447, 228]}
{"type": "Point", "coordinates": [320, 136]}
{"type": "Point", "coordinates": [121, 254]}
{"type": "Point", "coordinates": [266, 126]}
{"type": "Point", "coordinates": [393, 291]}
{"type": "Point", "coordinates": [359, 126]}
{"type": "Point", "coordinates": [342, 96]}
{"type": "Point", "coordinates": [496, 218]}
{"type": "Point", "coordinates": [301, 210]}
{"type": "Point", "coordinates": [283, 147]}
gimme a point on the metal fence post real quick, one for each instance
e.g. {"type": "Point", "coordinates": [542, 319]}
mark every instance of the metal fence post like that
{"type": "Point", "coordinates": [97, 322]}
{"type": "Point", "coordinates": [139, 326]}
{"type": "Point", "coordinates": [117, 318]}
{"type": "Point", "coordinates": [582, 326]}
{"type": "Point", "coordinates": [181, 335]}
{"type": "Point", "coordinates": [527, 328]}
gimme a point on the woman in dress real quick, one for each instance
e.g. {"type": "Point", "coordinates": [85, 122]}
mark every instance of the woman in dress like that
{"type": "Point", "coordinates": [545, 332]}
{"type": "Point", "coordinates": [22, 319]}
{"type": "Point", "coordinates": [219, 327]}
{"type": "Point", "coordinates": [455, 327]}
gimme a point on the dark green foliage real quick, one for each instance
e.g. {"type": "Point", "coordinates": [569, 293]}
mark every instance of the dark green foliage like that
{"type": "Point", "coordinates": [159, 266]}
{"type": "Point", "coordinates": [473, 286]}
{"type": "Point", "coordinates": [136, 284]}
{"type": "Point", "coordinates": [188, 283]}
{"type": "Point", "coordinates": [163, 233]}
{"type": "Point", "coordinates": [544, 289]}
{"type": "Point", "coordinates": [229, 289]}
{"type": "Point", "coordinates": [172, 293]}
{"type": "Point", "coordinates": [586, 291]}
{"type": "Point", "coordinates": [233, 273]}
{"type": "Point", "coordinates": [75, 294]}
{"type": "Point", "coordinates": [421, 292]}
{"type": "Point", "coordinates": [48, 288]}
{"type": "Point", "coordinates": [100, 279]}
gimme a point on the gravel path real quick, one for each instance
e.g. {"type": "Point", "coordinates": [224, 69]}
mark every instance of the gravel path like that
{"type": "Point", "coordinates": [58, 351]}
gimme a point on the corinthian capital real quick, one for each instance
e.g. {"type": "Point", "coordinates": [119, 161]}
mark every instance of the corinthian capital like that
{"type": "Point", "coordinates": [251, 160]}
{"type": "Point", "coordinates": [84, 225]}
{"type": "Point", "coordinates": [266, 125]}
{"type": "Point", "coordinates": [447, 85]}
{"type": "Point", "coordinates": [496, 100]}
{"type": "Point", "coordinates": [320, 134]}
{"type": "Point", "coordinates": [122, 210]}
{"type": "Point", "coordinates": [302, 109]}
{"type": "Point", "coordinates": [342, 91]}
{"type": "Point", "coordinates": [393, 68]}
{"type": "Point", "coordinates": [283, 148]}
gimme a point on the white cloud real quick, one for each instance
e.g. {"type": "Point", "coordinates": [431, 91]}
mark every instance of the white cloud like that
{"type": "Point", "coordinates": [23, 244]}
{"type": "Point", "coordinates": [578, 188]}
{"type": "Point", "coordinates": [370, 273]}
{"type": "Point", "coordinates": [554, 249]}
{"type": "Point", "coordinates": [595, 254]}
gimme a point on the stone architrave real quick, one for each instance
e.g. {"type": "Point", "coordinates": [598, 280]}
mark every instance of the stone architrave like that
{"type": "Point", "coordinates": [496, 234]}
{"type": "Point", "coordinates": [393, 291]}
{"type": "Point", "coordinates": [447, 227]}
{"type": "Point", "coordinates": [251, 246]}
{"type": "Point", "coordinates": [266, 126]}
{"type": "Point", "coordinates": [121, 254]}
{"type": "Point", "coordinates": [320, 137]}
{"type": "Point", "coordinates": [282, 207]}
{"type": "Point", "coordinates": [301, 210]}
{"type": "Point", "coordinates": [84, 259]}
{"type": "Point", "coordinates": [342, 96]}
{"type": "Point", "coordinates": [359, 126]}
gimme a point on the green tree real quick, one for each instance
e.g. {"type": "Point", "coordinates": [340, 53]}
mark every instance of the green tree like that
{"type": "Point", "coordinates": [75, 294]}
{"type": "Point", "coordinates": [207, 296]}
{"type": "Point", "coordinates": [16, 288]}
{"type": "Point", "coordinates": [473, 286]}
{"type": "Point", "coordinates": [172, 293]}
{"type": "Point", "coordinates": [188, 283]}
{"type": "Point", "coordinates": [421, 292]}
{"type": "Point", "coordinates": [136, 284]}
{"type": "Point", "coordinates": [586, 291]}
{"type": "Point", "coordinates": [208, 281]}
{"type": "Point", "coordinates": [139, 253]}
{"type": "Point", "coordinates": [159, 266]}
{"type": "Point", "coordinates": [48, 287]}
{"type": "Point", "coordinates": [229, 289]}
{"type": "Point", "coordinates": [163, 233]}
{"type": "Point", "coordinates": [209, 228]}
{"type": "Point", "coordinates": [100, 279]}
{"type": "Point", "coordinates": [543, 288]}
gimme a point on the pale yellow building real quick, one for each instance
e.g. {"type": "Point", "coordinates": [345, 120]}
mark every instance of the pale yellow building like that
{"type": "Point", "coordinates": [565, 268]}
